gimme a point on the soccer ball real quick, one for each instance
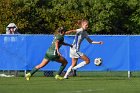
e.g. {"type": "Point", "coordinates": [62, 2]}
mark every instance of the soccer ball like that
{"type": "Point", "coordinates": [98, 61]}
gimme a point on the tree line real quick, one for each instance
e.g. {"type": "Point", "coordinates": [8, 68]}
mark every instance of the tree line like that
{"type": "Point", "coordinates": [45, 16]}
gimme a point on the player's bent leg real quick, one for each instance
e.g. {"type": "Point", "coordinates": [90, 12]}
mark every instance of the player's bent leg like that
{"type": "Point", "coordinates": [67, 73]}
{"type": "Point", "coordinates": [74, 61]}
{"type": "Point", "coordinates": [63, 62]}
{"type": "Point", "coordinates": [85, 58]}
{"type": "Point", "coordinates": [42, 64]}
{"type": "Point", "coordinates": [34, 70]}
{"type": "Point", "coordinates": [83, 63]}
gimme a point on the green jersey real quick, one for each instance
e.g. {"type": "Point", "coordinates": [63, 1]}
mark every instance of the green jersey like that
{"type": "Point", "coordinates": [51, 53]}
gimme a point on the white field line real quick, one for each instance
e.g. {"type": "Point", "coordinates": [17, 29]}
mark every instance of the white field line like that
{"type": "Point", "coordinates": [84, 91]}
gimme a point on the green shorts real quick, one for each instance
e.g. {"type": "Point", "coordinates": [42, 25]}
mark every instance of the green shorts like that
{"type": "Point", "coordinates": [51, 57]}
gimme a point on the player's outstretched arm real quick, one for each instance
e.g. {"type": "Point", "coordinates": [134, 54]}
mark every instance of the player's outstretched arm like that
{"type": "Point", "coordinates": [94, 42]}
{"type": "Point", "coordinates": [70, 31]}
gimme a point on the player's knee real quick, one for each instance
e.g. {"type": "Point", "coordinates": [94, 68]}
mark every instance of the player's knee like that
{"type": "Point", "coordinates": [65, 63]}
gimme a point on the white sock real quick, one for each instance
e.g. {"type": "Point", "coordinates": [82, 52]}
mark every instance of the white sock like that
{"type": "Point", "coordinates": [79, 65]}
{"type": "Point", "coordinates": [68, 72]}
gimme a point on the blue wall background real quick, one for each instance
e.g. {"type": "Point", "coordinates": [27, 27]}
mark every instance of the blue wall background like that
{"type": "Point", "coordinates": [23, 52]}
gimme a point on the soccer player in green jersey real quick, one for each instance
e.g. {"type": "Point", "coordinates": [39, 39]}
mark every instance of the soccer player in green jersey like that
{"type": "Point", "coordinates": [53, 54]}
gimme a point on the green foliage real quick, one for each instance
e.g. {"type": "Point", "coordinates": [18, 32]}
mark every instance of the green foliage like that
{"type": "Point", "coordinates": [45, 16]}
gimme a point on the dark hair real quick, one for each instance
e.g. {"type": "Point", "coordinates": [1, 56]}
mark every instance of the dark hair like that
{"type": "Point", "coordinates": [61, 29]}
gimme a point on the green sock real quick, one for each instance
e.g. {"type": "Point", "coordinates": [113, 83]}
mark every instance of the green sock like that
{"type": "Point", "coordinates": [61, 69]}
{"type": "Point", "coordinates": [33, 71]}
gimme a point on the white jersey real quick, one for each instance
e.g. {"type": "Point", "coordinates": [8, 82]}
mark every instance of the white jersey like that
{"type": "Point", "coordinates": [80, 35]}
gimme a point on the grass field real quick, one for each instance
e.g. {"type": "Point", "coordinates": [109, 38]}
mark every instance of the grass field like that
{"type": "Point", "coordinates": [72, 85]}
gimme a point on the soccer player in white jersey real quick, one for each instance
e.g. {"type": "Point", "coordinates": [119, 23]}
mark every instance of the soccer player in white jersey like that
{"type": "Point", "coordinates": [81, 34]}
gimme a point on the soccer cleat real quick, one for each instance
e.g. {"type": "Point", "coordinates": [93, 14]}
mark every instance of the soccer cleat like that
{"type": "Point", "coordinates": [27, 76]}
{"type": "Point", "coordinates": [58, 77]}
{"type": "Point", "coordinates": [66, 78]}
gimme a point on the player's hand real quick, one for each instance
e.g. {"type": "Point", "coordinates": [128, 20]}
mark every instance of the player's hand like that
{"type": "Point", "coordinates": [101, 42]}
{"type": "Point", "coordinates": [59, 54]}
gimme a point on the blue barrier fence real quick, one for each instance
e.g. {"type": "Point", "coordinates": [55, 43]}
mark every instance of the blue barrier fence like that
{"type": "Point", "coordinates": [23, 52]}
